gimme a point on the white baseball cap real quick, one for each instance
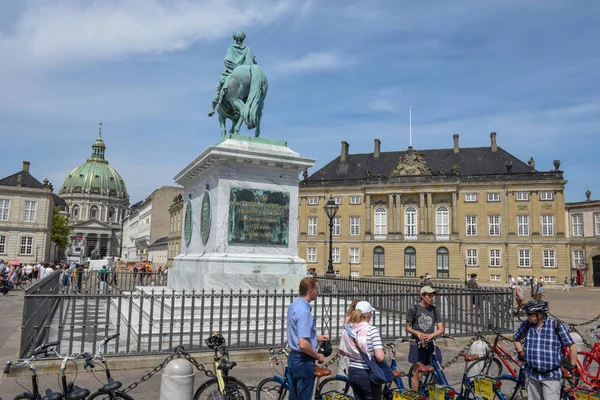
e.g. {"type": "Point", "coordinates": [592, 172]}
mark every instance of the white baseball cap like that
{"type": "Point", "coordinates": [365, 307]}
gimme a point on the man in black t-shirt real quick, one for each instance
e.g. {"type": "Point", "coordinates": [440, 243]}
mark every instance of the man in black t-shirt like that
{"type": "Point", "coordinates": [424, 323]}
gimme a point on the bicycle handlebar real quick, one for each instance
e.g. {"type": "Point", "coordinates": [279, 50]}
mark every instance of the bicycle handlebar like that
{"type": "Point", "coordinates": [42, 349]}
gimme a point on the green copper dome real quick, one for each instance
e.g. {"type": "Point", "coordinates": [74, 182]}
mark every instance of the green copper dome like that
{"type": "Point", "coordinates": [95, 176]}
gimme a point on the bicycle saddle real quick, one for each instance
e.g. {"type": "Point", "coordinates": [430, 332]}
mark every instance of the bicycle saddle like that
{"type": "Point", "coordinates": [112, 385]}
{"type": "Point", "coordinates": [469, 357]}
{"type": "Point", "coordinates": [320, 372]}
{"type": "Point", "coordinates": [424, 368]}
{"type": "Point", "coordinates": [50, 395]}
{"type": "Point", "coordinates": [396, 374]}
{"type": "Point", "coordinates": [78, 394]}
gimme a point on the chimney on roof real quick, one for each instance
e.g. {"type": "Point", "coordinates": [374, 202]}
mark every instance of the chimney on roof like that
{"type": "Point", "coordinates": [456, 149]}
{"type": "Point", "coordinates": [377, 150]}
{"type": "Point", "coordinates": [345, 150]}
{"type": "Point", "coordinates": [26, 166]}
{"type": "Point", "coordinates": [494, 145]}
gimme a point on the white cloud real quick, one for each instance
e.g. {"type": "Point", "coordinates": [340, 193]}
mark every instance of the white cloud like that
{"type": "Point", "coordinates": [62, 32]}
{"type": "Point", "coordinates": [311, 62]}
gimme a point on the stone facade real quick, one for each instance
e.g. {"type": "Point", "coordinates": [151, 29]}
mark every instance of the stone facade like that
{"type": "Point", "coordinates": [584, 234]}
{"type": "Point", "coordinates": [449, 212]}
{"type": "Point", "coordinates": [175, 229]}
{"type": "Point", "coordinates": [26, 211]}
{"type": "Point", "coordinates": [157, 253]}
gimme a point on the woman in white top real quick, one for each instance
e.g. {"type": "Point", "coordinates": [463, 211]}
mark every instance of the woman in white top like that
{"type": "Point", "coordinates": [369, 342]}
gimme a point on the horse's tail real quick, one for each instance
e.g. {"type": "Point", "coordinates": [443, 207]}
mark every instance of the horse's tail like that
{"type": "Point", "coordinates": [256, 96]}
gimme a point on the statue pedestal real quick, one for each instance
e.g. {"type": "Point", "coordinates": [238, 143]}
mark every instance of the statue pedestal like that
{"type": "Point", "coordinates": [240, 218]}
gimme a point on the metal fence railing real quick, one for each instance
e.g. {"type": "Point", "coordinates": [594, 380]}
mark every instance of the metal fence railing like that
{"type": "Point", "coordinates": [157, 320]}
{"type": "Point", "coordinates": [90, 281]}
{"type": "Point", "coordinates": [42, 301]}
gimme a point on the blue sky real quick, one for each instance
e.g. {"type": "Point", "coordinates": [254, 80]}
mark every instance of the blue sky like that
{"type": "Point", "coordinates": [338, 70]}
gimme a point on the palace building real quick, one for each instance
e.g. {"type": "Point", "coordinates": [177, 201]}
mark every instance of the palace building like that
{"type": "Point", "coordinates": [449, 212]}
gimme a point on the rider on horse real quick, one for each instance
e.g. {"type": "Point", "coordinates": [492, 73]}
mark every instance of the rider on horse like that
{"type": "Point", "coordinates": [237, 54]}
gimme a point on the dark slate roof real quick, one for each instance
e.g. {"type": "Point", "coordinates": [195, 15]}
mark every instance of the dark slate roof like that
{"type": "Point", "coordinates": [136, 204]}
{"type": "Point", "coordinates": [27, 181]}
{"type": "Point", "coordinates": [159, 241]}
{"type": "Point", "coordinates": [59, 202]}
{"type": "Point", "coordinates": [471, 161]}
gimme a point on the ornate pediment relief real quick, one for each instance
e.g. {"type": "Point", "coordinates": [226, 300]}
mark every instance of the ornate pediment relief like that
{"type": "Point", "coordinates": [411, 163]}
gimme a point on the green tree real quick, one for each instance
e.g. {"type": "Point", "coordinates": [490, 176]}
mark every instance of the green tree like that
{"type": "Point", "coordinates": [60, 229]}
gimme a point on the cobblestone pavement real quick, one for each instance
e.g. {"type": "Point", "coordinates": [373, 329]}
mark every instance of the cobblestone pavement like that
{"type": "Point", "coordinates": [578, 305]}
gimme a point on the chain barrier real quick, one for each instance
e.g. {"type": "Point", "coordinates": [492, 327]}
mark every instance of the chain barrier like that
{"type": "Point", "coordinates": [177, 353]}
{"type": "Point", "coordinates": [454, 359]}
{"type": "Point", "coordinates": [333, 359]}
{"type": "Point", "coordinates": [579, 324]}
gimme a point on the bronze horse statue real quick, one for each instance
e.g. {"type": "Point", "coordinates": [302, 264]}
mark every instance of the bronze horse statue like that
{"type": "Point", "coordinates": [242, 99]}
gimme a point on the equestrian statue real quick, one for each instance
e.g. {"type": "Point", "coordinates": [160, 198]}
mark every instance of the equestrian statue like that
{"type": "Point", "coordinates": [241, 91]}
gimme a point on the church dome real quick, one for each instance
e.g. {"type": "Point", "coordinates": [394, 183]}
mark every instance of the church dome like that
{"type": "Point", "coordinates": [95, 176]}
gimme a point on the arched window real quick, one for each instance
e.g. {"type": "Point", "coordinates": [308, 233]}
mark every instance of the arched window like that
{"type": "Point", "coordinates": [410, 222]}
{"type": "Point", "coordinates": [75, 212]}
{"type": "Point", "coordinates": [442, 224]}
{"type": "Point", "coordinates": [443, 263]}
{"type": "Point", "coordinates": [111, 214]}
{"type": "Point", "coordinates": [378, 261]}
{"type": "Point", "coordinates": [380, 222]}
{"type": "Point", "coordinates": [410, 262]}
{"type": "Point", "coordinates": [93, 212]}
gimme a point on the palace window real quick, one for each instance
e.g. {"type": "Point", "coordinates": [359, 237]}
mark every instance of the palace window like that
{"type": "Point", "coordinates": [354, 255]}
{"type": "Point", "coordinates": [577, 258]}
{"type": "Point", "coordinates": [547, 225]}
{"type": "Point", "coordinates": [577, 225]}
{"type": "Point", "coordinates": [522, 196]}
{"type": "Point", "coordinates": [311, 254]}
{"type": "Point", "coordinates": [493, 197]}
{"type": "Point", "coordinates": [472, 258]}
{"type": "Point", "coordinates": [354, 226]}
{"type": "Point", "coordinates": [378, 261]}
{"type": "Point", "coordinates": [495, 259]}
{"type": "Point", "coordinates": [335, 255]}
{"type": "Point", "coordinates": [111, 214]}
{"type": "Point", "coordinates": [524, 258]}
{"type": "Point", "coordinates": [4, 208]}
{"type": "Point", "coordinates": [75, 212]}
{"type": "Point", "coordinates": [550, 279]}
{"type": "Point", "coordinates": [494, 225]}
{"type": "Point", "coordinates": [354, 199]}
{"type": "Point", "coordinates": [410, 222]}
{"type": "Point", "coordinates": [549, 257]}
{"type": "Point", "coordinates": [471, 225]}
{"type": "Point", "coordinates": [410, 262]}
{"type": "Point", "coordinates": [495, 277]}
{"type": "Point", "coordinates": [26, 245]}
{"type": "Point", "coordinates": [597, 224]}
{"type": "Point", "coordinates": [313, 201]}
{"type": "Point", "coordinates": [442, 224]}
{"type": "Point", "coordinates": [29, 211]}
{"type": "Point", "coordinates": [337, 226]}
{"type": "Point", "coordinates": [312, 226]}
{"type": "Point", "coordinates": [2, 244]}
{"type": "Point", "coordinates": [94, 213]}
{"type": "Point", "coordinates": [380, 222]}
{"type": "Point", "coordinates": [470, 197]}
{"type": "Point", "coordinates": [442, 263]}
{"type": "Point", "coordinates": [337, 200]}
{"type": "Point", "coordinates": [523, 225]}
{"type": "Point", "coordinates": [546, 196]}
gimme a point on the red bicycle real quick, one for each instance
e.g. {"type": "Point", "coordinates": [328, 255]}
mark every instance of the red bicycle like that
{"type": "Point", "coordinates": [497, 358]}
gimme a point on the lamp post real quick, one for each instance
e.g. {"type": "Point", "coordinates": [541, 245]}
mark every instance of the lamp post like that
{"type": "Point", "coordinates": [37, 249]}
{"type": "Point", "coordinates": [124, 214]}
{"type": "Point", "coordinates": [350, 267]}
{"type": "Point", "coordinates": [466, 276]}
{"type": "Point", "coordinates": [330, 209]}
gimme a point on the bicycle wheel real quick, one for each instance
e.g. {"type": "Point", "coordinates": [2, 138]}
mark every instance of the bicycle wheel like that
{"type": "Point", "coordinates": [339, 383]}
{"type": "Point", "coordinates": [271, 388]}
{"type": "Point", "coordinates": [512, 389]}
{"type": "Point", "coordinates": [109, 396]}
{"type": "Point", "coordinates": [591, 366]}
{"type": "Point", "coordinates": [485, 366]}
{"type": "Point", "coordinates": [209, 390]}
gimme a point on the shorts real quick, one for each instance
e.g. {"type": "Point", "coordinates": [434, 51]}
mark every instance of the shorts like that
{"type": "Point", "coordinates": [423, 354]}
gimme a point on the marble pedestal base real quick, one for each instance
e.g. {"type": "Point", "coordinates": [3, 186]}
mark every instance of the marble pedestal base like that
{"type": "Point", "coordinates": [236, 271]}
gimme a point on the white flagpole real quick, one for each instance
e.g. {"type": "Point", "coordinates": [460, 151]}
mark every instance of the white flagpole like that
{"type": "Point", "coordinates": [410, 125]}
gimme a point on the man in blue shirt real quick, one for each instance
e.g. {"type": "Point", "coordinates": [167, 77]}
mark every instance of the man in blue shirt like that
{"type": "Point", "coordinates": [302, 340]}
{"type": "Point", "coordinates": [542, 353]}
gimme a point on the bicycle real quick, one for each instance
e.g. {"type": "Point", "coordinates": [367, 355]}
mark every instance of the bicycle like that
{"type": "Point", "coordinates": [69, 390]}
{"type": "Point", "coordinates": [278, 386]}
{"type": "Point", "coordinates": [222, 385]}
{"type": "Point", "coordinates": [492, 363]}
{"type": "Point", "coordinates": [40, 352]}
{"type": "Point", "coordinates": [109, 390]}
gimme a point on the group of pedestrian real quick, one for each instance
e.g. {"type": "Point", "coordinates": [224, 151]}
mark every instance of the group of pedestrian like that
{"type": "Point", "coordinates": [539, 341]}
{"type": "Point", "coordinates": [13, 274]}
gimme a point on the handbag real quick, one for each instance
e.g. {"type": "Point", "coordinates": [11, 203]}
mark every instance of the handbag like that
{"type": "Point", "coordinates": [379, 372]}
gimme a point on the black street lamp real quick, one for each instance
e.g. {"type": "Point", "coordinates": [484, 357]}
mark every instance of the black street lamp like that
{"type": "Point", "coordinates": [330, 209]}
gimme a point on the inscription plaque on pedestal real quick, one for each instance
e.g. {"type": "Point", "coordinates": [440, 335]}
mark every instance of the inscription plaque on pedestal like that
{"type": "Point", "coordinates": [187, 223]}
{"type": "Point", "coordinates": [258, 216]}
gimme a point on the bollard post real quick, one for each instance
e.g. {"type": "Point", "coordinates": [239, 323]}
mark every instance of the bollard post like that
{"type": "Point", "coordinates": [177, 381]}
{"type": "Point", "coordinates": [480, 348]}
{"type": "Point", "coordinates": [580, 345]}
